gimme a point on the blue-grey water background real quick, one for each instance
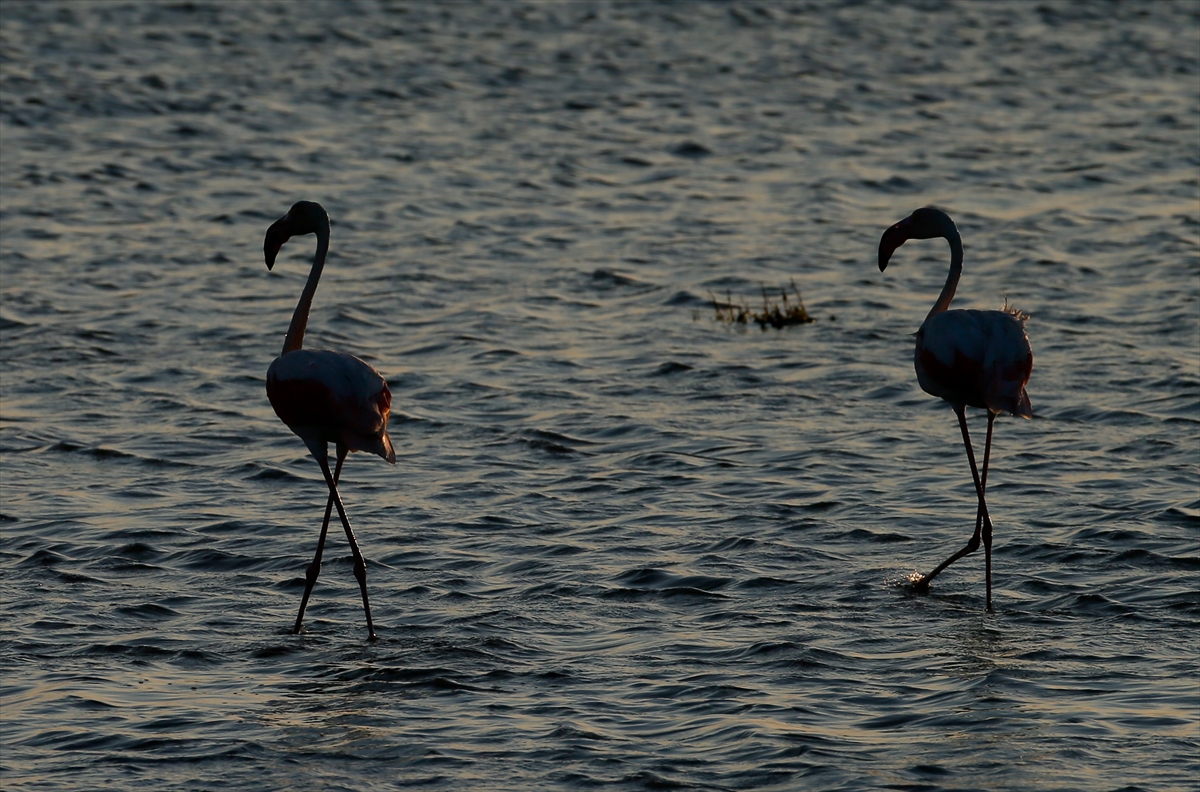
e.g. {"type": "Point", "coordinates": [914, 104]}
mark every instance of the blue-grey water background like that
{"type": "Point", "coordinates": [625, 546]}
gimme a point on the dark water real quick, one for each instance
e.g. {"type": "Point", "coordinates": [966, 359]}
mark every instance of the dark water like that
{"type": "Point", "coordinates": [625, 546]}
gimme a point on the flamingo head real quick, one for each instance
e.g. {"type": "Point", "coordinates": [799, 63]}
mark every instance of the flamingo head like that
{"type": "Point", "coordinates": [305, 217]}
{"type": "Point", "coordinates": [925, 223]}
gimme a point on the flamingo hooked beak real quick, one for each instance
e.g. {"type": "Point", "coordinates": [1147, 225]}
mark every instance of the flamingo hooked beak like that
{"type": "Point", "coordinates": [279, 232]}
{"type": "Point", "coordinates": [893, 238]}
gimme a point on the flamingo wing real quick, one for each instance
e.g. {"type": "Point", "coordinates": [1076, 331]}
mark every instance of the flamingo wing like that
{"type": "Point", "coordinates": [332, 396]}
{"type": "Point", "coordinates": [977, 358]}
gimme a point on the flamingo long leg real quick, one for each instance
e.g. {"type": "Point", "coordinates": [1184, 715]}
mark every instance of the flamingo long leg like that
{"type": "Point", "coordinates": [987, 523]}
{"type": "Point", "coordinates": [314, 568]}
{"type": "Point", "coordinates": [360, 565]}
{"type": "Point", "coordinates": [983, 522]}
{"type": "Point", "coordinates": [979, 490]}
{"type": "Point", "coordinates": [979, 533]}
{"type": "Point", "coordinates": [987, 452]}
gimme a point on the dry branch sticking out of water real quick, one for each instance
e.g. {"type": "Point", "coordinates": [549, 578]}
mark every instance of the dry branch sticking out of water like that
{"type": "Point", "coordinates": [773, 314]}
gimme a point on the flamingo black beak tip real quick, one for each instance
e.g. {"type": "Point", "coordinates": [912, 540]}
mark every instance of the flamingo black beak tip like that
{"type": "Point", "coordinates": [887, 246]}
{"type": "Point", "coordinates": [277, 234]}
{"type": "Point", "coordinates": [893, 238]}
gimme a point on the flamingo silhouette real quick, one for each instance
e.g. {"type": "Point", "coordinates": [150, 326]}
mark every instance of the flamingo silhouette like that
{"type": "Point", "coordinates": [968, 358]}
{"type": "Point", "coordinates": [325, 396]}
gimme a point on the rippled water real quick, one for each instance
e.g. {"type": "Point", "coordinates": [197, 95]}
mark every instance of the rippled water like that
{"type": "Point", "coordinates": [625, 546]}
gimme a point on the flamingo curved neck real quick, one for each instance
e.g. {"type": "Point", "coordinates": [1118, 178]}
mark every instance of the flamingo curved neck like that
{"type": "Point", "coordinates": [956, 261]}
{"type": "Point", "coordinates": [295, 334]}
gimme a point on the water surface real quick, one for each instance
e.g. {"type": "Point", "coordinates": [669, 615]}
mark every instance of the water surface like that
{"type": "Point", "coordinates": [625, 546]}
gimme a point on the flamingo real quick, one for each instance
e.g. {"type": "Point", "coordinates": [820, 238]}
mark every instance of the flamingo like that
{"type": "Point", "coordinates": [325, 396]}
{"type": "Point", "coordinates": [970, 359]}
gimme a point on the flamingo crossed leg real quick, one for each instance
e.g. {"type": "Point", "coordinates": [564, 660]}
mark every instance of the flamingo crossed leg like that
{"type": "Point", "coordinates": [320, 450]}
{"type": "Point", "coordinates": [360, 565]}
{"type": "Point", "coordinates": [983, 522]}
{"type": "Point", "coordinates": [314, 569]}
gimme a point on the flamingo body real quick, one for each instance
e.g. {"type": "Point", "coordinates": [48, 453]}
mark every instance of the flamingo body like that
{"type": "Point", "coordinates": [978, 358]}
{"type": "Point", "coordinates": [332, 397]}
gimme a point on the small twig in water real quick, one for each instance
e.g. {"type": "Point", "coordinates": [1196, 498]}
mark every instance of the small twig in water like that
{"type": "Point", "coordinates": [777, 315]}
